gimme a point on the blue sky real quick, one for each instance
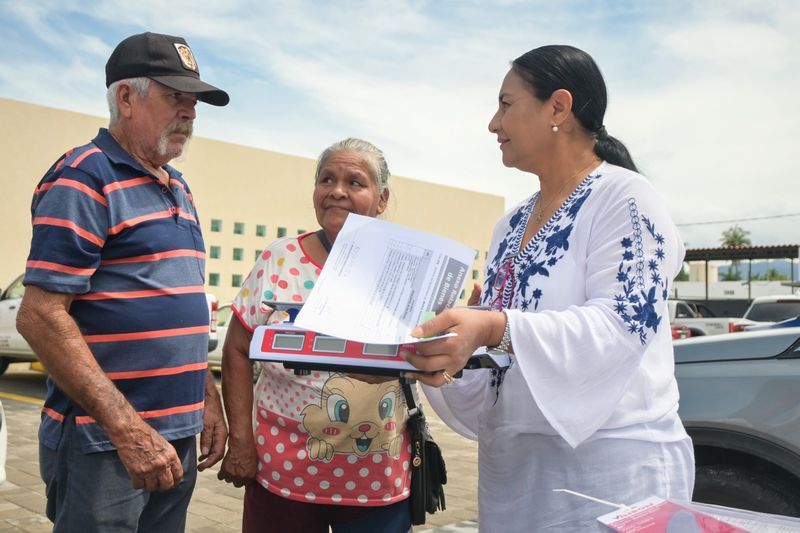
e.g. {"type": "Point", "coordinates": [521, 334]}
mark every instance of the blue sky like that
{"type": "Point", "coordinates": [705, 94]}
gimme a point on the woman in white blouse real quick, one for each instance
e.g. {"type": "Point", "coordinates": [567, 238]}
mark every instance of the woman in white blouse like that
{"type": "Point", "coordinates": [577, 282]}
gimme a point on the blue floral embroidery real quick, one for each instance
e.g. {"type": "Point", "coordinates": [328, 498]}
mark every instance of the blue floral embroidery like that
{"type": "Point", "coordinates": [541, 254]}
{"type": "Point", "coordinates": [572, 211]}
{"type": "Point", "coordinates": [514, 274]}
{"type": "Point", "coordinates": [637, 302]}
{"type": "Point", "coordinates": [510, 242]}
{"type": "Point", "coordinates": [558, 240]}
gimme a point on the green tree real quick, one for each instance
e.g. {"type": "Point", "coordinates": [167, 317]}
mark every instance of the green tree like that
{"type": "Point", "coordinates": [735, 237]}
{"type": "Point", "coordinates": [733, 273]}
{"type": "Point", "coordinates": [774, 275]}
{"type": "Point", "coordinates": [683, 275]}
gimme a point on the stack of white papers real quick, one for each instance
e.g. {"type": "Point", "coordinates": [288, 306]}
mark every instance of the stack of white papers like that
{"type": "Point", "coordinates": [381, 280]}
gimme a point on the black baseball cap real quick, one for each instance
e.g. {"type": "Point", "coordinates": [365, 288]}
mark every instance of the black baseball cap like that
{"type": "Point", "coordinates": [165, 59]}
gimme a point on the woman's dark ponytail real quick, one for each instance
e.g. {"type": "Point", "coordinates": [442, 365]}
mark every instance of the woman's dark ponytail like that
{"type": "Point", "coordinates": [611, 149]}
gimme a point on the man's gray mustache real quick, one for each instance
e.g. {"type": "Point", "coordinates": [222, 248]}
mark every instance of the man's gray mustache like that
{"type": "Point", "coordinates": [184, 128]}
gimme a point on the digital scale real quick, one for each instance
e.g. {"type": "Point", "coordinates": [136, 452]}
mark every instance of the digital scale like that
{"type": "Point", "coordinates": [304, 351]}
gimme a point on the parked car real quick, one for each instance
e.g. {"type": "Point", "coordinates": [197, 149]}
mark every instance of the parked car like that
{"type": "Point", "coordinates": [791, 323]}
{"type": "Point", "coordinates": [765, 311]}
{"type": "Point", "coordinates": [213, 311]}
{"type": "Point", "coordinates": [3, 443]}
{"type": "Point", "coordinates": [215, 356]}
{"type": "Point", "coordinates": [687, 314]}
{"type": "Point", "coordinates": [14, 348]}
{"type": "Point", "coordinates": [740, 403]}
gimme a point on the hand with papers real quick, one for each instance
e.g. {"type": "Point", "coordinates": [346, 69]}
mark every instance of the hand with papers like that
{"type": "Point", "coordinates": [473, 329]}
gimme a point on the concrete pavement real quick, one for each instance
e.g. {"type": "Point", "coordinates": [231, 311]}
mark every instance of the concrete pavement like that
{"type": "Point", "coordinates": [216, 506]}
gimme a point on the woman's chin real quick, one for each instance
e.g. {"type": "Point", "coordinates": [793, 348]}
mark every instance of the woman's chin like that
{"type": "Point", "coordinates": [334, 226]}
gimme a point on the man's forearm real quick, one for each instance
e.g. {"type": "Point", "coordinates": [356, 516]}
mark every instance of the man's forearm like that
{"type": "Point", "coordinates": [57, 340]}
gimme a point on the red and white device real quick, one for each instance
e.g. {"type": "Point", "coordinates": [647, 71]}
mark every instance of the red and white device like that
{"type": "Point", "coordinates": [304, 350]}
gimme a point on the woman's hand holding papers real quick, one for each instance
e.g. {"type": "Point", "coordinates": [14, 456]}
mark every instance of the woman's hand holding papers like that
{"type": "Point", "coordinates": [473, 329]}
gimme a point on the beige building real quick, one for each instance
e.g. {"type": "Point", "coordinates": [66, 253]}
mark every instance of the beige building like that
{"type": "Point", "coordinates": [246, 197]}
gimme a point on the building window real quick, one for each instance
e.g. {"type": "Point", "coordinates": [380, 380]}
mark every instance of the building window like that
{"type": "Point", "coordinates": [215, 252]}
{"type": "Point", "coordinates": [258, 254]}
{"type": "Point", "coordinates": [474, 274]}
{"type": "Point", "coordinates": [301, 231]}
{"type": "Point", "coordinates": [216, 225]}
{"type": "Point", "coordinates": [213, 279]}
{"type": "Point", "coordinates": [238, 254]}
{"type": "Point", "coordinates": [236, 280]}
{"type": "Point", "coordinates": [238, 228]}
{"type": "Point", "coordinates": [281, 232]}
{"type": "Point", "coordinates": [261, 230]}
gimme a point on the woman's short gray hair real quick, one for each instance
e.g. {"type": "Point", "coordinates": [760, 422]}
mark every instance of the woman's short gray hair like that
{"type": "Point", "coordinates": [140, 85]}
{"type": "Point", "coordinates": [372, 154]}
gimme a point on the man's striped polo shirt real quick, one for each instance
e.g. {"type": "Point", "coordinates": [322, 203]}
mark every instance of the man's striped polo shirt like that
{"type": "Point", "coordinates": [131, 251]}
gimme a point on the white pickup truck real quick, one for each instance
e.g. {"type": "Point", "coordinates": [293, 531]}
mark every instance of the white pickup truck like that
{"type": "Point", "coordinates": [14, 348]}
{"type": "Point", "coordinates": [699, 321]}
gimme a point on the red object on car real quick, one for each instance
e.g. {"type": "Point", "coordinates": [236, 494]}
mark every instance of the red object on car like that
{"type": "Point", "coordinates": [733, 327]}
{"type": "Point", "coordinates": [213, 313]}
{"type": "Point", "coordinates": [679, 331]}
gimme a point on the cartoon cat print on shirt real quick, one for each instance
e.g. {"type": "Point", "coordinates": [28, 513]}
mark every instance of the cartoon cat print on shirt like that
{"type": "Point", "coordinates": [355, 417]}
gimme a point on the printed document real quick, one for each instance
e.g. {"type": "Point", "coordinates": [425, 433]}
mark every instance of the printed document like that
{"type": "Point", "coordinates": [381, 280]}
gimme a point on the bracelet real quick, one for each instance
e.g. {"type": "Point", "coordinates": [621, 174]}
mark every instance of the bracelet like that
{"type": "Point", "coordinates": [505, 341]}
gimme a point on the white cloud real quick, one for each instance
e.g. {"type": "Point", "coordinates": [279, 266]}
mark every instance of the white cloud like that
{"type": "Point", "coordinates": [704, 94]}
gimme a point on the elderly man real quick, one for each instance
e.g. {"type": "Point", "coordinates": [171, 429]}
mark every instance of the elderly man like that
{"type": "Point", "coordinates": [115, 306]}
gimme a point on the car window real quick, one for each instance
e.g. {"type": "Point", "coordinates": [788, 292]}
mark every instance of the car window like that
{"type": "Point", "coordinates": [223, 315]}
{"type": "Point", "coordinates": [705, 311]}
{"type": "Point", "coordinates": [682, 311]}
{"type": "Point", "coordinates": [15, 290]}
{"type": "Point", "coordinates": [773, 311]}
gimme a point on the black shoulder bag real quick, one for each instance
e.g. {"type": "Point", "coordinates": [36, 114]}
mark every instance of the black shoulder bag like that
{"type": "Point", "coordinates": [428, 472]}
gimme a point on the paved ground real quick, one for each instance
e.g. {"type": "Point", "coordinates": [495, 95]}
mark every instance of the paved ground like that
{"type": "Point", "coordinates": [216, 506]}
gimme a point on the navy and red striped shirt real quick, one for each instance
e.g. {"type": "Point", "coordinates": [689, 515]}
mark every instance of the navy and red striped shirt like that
{"type": "Point", "coordinates": [130, 249]}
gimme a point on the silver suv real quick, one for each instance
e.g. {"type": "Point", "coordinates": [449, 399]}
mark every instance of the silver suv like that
{"type": "Point", "coordinates": [740, 403]}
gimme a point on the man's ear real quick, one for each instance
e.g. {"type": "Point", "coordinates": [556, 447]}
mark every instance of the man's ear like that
{"type": "Point", "coordinates": [561, 102]}
{"type": "Point", "coordinates": [125, 95]}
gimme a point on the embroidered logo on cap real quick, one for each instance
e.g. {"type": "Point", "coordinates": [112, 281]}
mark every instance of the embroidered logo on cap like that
{"type": "Point", "coordinates": [186, 55]}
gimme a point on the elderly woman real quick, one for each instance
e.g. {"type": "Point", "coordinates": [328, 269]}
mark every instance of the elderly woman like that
{"type": "Point", "coordinates": [325, 449]}
{"type": "Point", "coordinates": [577, 283]}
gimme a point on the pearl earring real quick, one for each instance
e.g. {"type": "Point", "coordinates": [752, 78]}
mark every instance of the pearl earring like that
{"type": "Point", "coordinates": [554, 128]}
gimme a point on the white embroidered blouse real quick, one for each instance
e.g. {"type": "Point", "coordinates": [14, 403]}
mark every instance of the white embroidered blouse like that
{"type": "Point", "coordinates": [586, 304]}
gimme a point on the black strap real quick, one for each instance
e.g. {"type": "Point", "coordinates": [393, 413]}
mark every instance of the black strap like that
{"type": "Point", "coordinates": [323, 240]}
{"type": "Point", "coordinates": [410, 403]}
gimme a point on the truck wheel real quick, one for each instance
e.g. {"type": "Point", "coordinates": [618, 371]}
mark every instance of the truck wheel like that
{"type": "Point", "coordinates": [4, 365]}
{"type": "Point", "coordinates": [735, 486]}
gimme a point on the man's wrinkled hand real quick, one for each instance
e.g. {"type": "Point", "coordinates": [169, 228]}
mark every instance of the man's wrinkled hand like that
{"type": "Point", "coordinates": [151, 461]}
{"type": "Point", "coordinates": [215, 431]}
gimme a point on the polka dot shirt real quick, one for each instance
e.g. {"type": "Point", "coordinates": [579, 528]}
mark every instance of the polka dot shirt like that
{"type": "Point", "coordinates": [323, 437]}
